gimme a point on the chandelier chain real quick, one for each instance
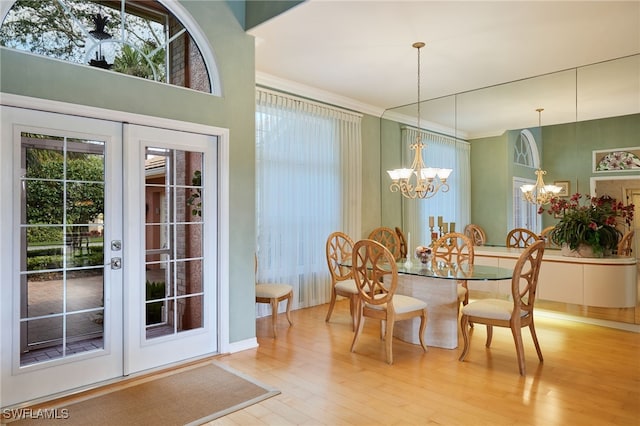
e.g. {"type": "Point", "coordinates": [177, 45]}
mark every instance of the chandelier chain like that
{"type": "Point", "coordinates": [419, 128]}
{"type": "Point", "coordinates": [539, 194]}
{"type": "Point", "coordinates": [419, 181]}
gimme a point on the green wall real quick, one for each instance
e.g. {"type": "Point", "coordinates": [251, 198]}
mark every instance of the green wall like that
{"type": "Point", "coordinates": [371, 175]}
{"type": "Point", "coordinates": [258, 11]}
{"type": "Point", "coordinates": [490, 186]}
{"type": "Point", "coordinates": [38, 77]}
{"type": "Point", "coordinates": [566, 155]}
{"type": "Point", "coordinates": [390, 157]}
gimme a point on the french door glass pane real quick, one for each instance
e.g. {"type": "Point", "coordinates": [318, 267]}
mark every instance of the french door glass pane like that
{"type": "Point", "coordinates": [62, 247]}
{"type": "Point", "coordinates": [44, 295]}
{"type": "Point", "coordinates": [173, 241]}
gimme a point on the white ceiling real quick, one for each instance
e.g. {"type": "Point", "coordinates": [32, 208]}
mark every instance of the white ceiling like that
{"type": "Point", "coordinates": [358, 54]}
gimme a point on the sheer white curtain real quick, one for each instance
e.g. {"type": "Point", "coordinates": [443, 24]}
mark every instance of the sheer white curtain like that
{"type": "Point", "coordinates": [308, 184]}
{"type": "Point", "coordinates": [454, 205]}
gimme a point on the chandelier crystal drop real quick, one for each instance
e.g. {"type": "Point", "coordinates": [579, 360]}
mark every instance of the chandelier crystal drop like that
{"type": "Point", "coordinates": [539, 194]}
{"type": "Point", "coordinates": [419, 181]}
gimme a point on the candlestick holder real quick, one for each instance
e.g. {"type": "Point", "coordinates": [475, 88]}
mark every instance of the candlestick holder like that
{"type": "Point", "coordinates": [434, 235]}
{"type": "Point", "coordinates": [407, 262]}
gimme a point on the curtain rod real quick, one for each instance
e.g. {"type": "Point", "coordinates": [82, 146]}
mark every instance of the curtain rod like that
{"type": "Point", "coordinates": [309, 101]}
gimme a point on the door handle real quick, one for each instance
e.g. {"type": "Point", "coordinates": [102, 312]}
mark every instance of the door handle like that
{"type": "Point", "coordinates": [116, 263]}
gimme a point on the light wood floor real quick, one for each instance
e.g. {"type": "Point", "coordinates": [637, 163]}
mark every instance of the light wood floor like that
{"type": "Point", "coordinates": [590, 376]}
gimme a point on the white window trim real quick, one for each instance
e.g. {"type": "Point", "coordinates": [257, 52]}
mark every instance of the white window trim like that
{"type": "Point", "coordinates": [535, 154]}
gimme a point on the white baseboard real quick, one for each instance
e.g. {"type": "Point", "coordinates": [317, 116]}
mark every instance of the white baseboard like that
{"type": "Point", "coordinates": [243, 345]}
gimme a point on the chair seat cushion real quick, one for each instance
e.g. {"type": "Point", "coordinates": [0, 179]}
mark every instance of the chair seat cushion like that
{"type": "Point", "coordinates": [272, 290]}
{"type": "Point", "coordinates": [402, 304]}
{"type": "Point", "coordinates": [347, 286]}
{"type": "Point", "coordinates": [490, 308]}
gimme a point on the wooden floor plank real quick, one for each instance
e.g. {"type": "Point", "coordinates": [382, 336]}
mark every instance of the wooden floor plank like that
{"type": "Point", "coordinates": [590, 376]}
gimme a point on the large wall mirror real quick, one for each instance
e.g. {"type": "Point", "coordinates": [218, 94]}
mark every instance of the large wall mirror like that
{"type": "Point", "coordinates": [586, 109]}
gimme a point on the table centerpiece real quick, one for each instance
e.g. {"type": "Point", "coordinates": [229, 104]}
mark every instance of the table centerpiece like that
{"type": "Point", "coordinates": [424, 254]}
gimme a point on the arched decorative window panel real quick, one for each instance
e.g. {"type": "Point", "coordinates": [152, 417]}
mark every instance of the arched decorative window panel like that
{"type": "Point", "coordinates": [525, 151]}
{"type": "Point", "coordinates": [145, 39]}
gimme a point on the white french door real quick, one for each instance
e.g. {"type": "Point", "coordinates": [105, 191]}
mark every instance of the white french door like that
{"type": "Point", "coordinates": [61, 300]}
{"type": "Point", "coordinates": [525, 214]}
{"type": "Point", "coordinates": [92, 286]}
{"type": "Point", "coordinates": [171, 182]}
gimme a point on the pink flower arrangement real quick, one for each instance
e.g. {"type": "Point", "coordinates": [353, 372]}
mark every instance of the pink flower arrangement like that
{"type": "Point", "coordinates": [424, 253]}
{"type": "Point", "coordinates": [589, 220]}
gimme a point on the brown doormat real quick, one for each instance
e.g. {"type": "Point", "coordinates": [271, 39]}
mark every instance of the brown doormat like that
{"type": "Point", "coordinates": [189, 397]}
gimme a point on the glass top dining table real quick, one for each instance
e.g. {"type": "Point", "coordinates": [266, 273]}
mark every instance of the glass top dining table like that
{"type": "Point", "coordinates": [455, 272]}
{"type": "Point", "coordinates": [451, 271]}
{"type": "Point", "coordinates": [436, 284]}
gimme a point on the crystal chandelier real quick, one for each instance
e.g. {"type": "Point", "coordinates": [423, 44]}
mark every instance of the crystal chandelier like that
{"type": "Point", "coordinates": [539, 194]}
{"type": "Point", "coordinates": [419, 181]}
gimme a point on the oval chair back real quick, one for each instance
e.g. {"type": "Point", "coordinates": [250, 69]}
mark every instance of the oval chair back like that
{"type": "Point", "coordinates": [455, 249]}
{"type": "Point", "coordinates": [403, 243]}
{"type": "Point", "coordinates": [376, 276]}
{"type": "Point", "coordinates": [338, 249]}
{"type": "Point", "coordinates": [476, 234]}
{"type": "Point", "coordinates": [625, 244]}
{"type": "Point", "coordinates": [513, 314]}
{"type": "Point", "coordinates": [388, 238]}
{"type": "Point", "coordinates": [521, 237]}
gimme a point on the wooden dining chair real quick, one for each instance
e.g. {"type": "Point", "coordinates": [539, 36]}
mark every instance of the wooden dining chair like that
{"type": "Point", "coordinates": [388, 238]}
{"type": "Point", "coordinates": [514, 314]}
{"type": "Point", "coordinates": [476, 234]}
{"type": "Point", "coordinates": [625, 244]}
{"type": "Point", "coordinates": [273, 294]}
{"type": "Point", "coordinates": [545, 235]}
{"type": "Point", "coordinates": [403, 243]}
{"type": "Point", "coordinates": [521, 237]}
{"type": "Point", "coordinates": [339, 248]}
{"type": "Point", "coordinates": [376, 275]}
{"type": "Point", "coordinates": [455, 248]}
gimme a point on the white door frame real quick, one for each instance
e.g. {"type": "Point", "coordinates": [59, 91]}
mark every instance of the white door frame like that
{"type": "Point", "coordinates": [593, 183]}
{"type": "Point", "coordinates": [6, 182]}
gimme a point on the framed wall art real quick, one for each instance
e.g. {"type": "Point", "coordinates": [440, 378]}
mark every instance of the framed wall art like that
{"type": "Point", "coordinates": [617, 160]}
{"type": "Point", "coordinates": [565, 185]}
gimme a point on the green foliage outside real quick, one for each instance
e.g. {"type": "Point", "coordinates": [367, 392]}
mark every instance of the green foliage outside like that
{"type": "Point", "coordinates": [194, 199]}
{"type": "Point", "coordinates": [55, 197]}
{"type": "Point", "coordinates": [133, 62]}
{"type": "Point", "coordinates": [154, 290]}
{"type": "Point", "coordinates": [53, 28]}
{"type": "Point", "coordinates": [52, 258]}
{"type": "Point", "coordinates": [85, 200]}
{"type": "Point", "coordinates": [42, 235]}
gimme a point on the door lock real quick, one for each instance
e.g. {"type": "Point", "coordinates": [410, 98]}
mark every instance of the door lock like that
{"type": "Point", "coordinates": [116, 263]}
{"type": "Point", "coordinates": [116, 245]}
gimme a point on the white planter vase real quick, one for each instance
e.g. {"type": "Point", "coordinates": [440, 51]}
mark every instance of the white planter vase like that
{"type": "Point", "coordinates": [583, 250]}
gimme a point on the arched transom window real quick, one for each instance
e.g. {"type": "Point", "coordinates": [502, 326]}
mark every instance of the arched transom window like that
{"type": "Point", "coordinates": [525, 151]}
{"type": "Point", "coordinates": [139, 38]}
